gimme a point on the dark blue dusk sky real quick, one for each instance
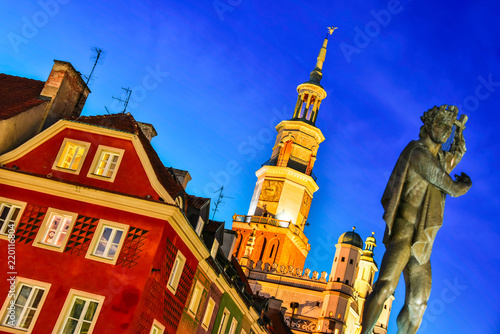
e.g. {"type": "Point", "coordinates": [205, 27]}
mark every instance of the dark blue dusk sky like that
{"type": "Point", "coordinates": [215, 77]}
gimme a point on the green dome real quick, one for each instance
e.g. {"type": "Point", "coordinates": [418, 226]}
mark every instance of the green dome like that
{"type": "Point", "coordinates": [351, 238]}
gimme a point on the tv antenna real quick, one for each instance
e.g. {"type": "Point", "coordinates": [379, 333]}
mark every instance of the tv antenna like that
{"type": "Point", "coordinates": [219, 200]}
{"type": "Point", "coordinates": [98, 57]}
{"type": "Point", "coordinates": [128, 92]}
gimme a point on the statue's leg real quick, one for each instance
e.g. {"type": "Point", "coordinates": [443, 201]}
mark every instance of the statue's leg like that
{"type": "Point", "coordinates": [418, 280]}
{"type": "Point", "coordinates": [394, 261]}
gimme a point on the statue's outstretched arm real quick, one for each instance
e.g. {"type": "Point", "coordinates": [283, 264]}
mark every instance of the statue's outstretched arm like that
{"type": "Point", "coordinates": [427, 166]}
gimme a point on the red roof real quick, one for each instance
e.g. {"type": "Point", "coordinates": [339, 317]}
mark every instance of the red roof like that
{"type": "Point", "coordinates": [18, 94]}
{"type": "Point", "coordinates": [196, 202]}
{"type": "Point", "coordinates": [127, 123]}
{"type": "Point", "coordinates": [121, 122]}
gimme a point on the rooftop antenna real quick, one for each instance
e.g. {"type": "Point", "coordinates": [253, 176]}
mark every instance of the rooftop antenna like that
{"type": "Point", "coordinates": [98, 56]}
{"type": "Point", "coordinates": [219, 200]}
{"type": "Point", "coordinates": [128, 92]}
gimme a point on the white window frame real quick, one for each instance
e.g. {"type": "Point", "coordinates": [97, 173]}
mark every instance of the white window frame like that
{"type": "Point", "coordinates": [199, 226]}
{"type": "Point", "coordinates": [209, 311]}
{"type": "Point", "coordinates": [12, 296]}
{"type": "Point", "coordinates": [215, 248]}
{"type": "Point", "coordinates": [7, 202]}
{"type": "Point", "coordinates": [157, 328]}
{"type": "Point", "coordinates": [70, 299]}
{"type": "Point", "coordinates": [51, 214]}
{"type": "Point", "coordinates": [223, 321]}
{"type": "Point", "coordinates": [97, 159]}
{"type": "Point", "coordinates": [103, 224]}
{"type": "Point", "coordinates": [234, 325]}
{"type": "Point", "coordinates": [194, 303]}
{"type": "Point", "coordinates": [62, 152]}
{"type": "Point", "coordinates": [175, 274]}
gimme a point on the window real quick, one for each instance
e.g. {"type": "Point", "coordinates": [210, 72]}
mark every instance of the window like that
{"type": "Point", "coordinates": [208, 313]}
{"type": "Point", "coordinates": [223, 321]}
{"type": "Point", "coordinates": [234, 324]}
{"type": "Point", "coordinates": [194, 304]}
{"type": "Point", "coordinates": [107, 241]}
{"type": "Point", "coordinates": [175, 274]}
{"type": "Point", "coordinates": [199, 226]}
{"type": "Point", "coordinates": [10, 214]}
{"type": "Point", "coordinates": [79, 314]}
{"type": "Point", "coordinates": [351, 261]}
{"type": "Point", "coordinates": [22, 307]}
{"type": "Point", "coordinates": [55, 230]}
{"type": "Point", "coordinates": [157, 328]}
{"type": "Point", "coordinates": [347, 281]}
{"type": "Point", "coordinates": [106, 162]}
{"type": "Point", "coordinates": [215, 248]}
{"type": "Point", "coordinates": [71, 156]}
{"type": "Point", "coordinates": [343, 259]}
{"type": "Point", "coordinates": [180, 202]}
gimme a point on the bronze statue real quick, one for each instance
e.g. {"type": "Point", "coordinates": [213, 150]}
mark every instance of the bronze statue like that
{"type": "Point", "coordinates": [414, 203]}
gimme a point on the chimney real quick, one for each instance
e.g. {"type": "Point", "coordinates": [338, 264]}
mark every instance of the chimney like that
{"type": "Point", "coordinates": [149, 131]}
{"type": "Point", "coordinates": [67, 92]}
{"type": "Point", "coordinates": [183, 176]}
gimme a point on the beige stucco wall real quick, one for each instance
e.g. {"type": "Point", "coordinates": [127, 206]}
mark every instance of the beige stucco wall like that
{"type": "Point", "coordinates": [18, 129]}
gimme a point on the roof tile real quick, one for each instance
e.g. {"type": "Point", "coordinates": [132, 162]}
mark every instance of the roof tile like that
{"type": "Point", "coordinates": [18, 94]}
{"type": "Point", "coordinates": [127, 123]}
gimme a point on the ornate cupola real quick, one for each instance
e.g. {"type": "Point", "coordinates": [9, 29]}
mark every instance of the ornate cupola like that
{"type": "Point", "coordinates": [311, 93]}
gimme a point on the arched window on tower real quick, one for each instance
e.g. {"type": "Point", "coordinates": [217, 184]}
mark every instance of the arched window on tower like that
{"type": "Point", "coordinates": [272, 252]}
{"type": "Point", "coordinates": [239, 242]}
{"type": "Point", "coordinates": [284, 154]}
{"type": "Point", "coordinates": [263, 249]}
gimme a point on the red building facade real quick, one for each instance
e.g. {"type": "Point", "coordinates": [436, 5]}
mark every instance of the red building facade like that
{"type": "Point", "coordinates": [94, 231]}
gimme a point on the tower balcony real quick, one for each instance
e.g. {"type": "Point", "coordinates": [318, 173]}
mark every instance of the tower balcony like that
{"type": "Point", "coordinates": [270, 221]}
{"type": "Point", "coordinates": [294, 163]}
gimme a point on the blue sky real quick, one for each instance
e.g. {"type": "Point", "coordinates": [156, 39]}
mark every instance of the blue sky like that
{"type": "Point", "coordinates": [215, 77]}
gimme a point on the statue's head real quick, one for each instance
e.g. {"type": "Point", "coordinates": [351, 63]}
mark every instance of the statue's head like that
{"type": "Point", "coordinates": [438, 122]}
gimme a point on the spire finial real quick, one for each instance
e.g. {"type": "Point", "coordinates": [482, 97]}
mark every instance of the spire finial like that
{"type": "Point", "coordinates": [353, 228]}
{"type": "Point", "coordinates": [331, 30]}
{"type": "Point", "coordinates": [317, 74]}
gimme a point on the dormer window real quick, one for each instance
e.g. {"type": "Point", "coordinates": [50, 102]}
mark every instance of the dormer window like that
{"type": "Point", "coordinates": [71, 156]}
{"type": "Point", "coordinates": [215, 248]}
{"type": "Point", "coordinates": [180, 202]}
{"type": "Point", "coordinates": [106, 163]}
{"type": "Point", "coordinates": [199, 225]}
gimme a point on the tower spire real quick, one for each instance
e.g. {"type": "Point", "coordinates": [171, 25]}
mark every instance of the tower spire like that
{"type": "Point", "coordinates": [311, 93]}
{"type": "Point", "coordinates": [317, 74]}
